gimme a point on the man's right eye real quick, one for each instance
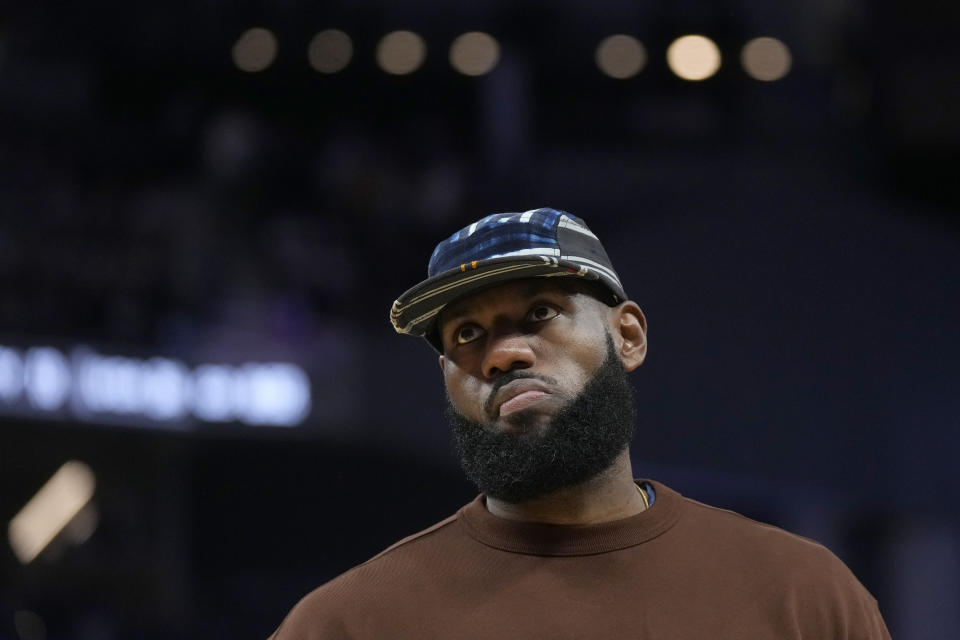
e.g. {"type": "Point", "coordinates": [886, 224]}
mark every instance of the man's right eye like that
{"type": "Point", "coordinates": [467, 333]}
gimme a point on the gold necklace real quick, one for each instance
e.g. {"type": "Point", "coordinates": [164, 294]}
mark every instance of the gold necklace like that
{"type": "Point", "coordinates": [643, 496]}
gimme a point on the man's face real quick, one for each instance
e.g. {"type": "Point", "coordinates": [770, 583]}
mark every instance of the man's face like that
{"type": "Point", "coordinates": [538, 396]}
{"type": "Point", "coordinates": [551, 332]}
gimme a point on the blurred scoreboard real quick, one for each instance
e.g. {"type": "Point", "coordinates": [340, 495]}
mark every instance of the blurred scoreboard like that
{"type": "Point", "coordinates": [79, 383]}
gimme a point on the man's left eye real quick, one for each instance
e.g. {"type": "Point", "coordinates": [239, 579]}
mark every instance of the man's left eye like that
{"type": "Point", "coordinates": [542, 312]}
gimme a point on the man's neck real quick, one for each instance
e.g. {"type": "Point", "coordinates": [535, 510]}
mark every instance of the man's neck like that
{"type": "Point", "coordinates": [612, 495]}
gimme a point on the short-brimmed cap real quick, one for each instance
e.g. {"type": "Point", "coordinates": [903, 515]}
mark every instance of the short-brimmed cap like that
{"type": "Point", "coordinates": [502, 247]}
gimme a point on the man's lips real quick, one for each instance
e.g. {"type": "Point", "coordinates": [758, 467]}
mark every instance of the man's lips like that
{"type": "Point", "coordinates": [517, 395]}
{"type": "Point", "coordinates": [520, 402]}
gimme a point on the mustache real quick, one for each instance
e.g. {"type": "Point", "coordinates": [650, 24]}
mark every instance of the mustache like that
{"type": "Point", "coordinates": [507, 378]}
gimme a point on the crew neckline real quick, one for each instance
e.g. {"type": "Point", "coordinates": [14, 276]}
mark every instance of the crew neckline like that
{"type": "Point", "coordinates": [572, 540]}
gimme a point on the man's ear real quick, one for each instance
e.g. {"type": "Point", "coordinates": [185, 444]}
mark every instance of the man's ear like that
{"type": "Point", "coordinates": [629, 328]}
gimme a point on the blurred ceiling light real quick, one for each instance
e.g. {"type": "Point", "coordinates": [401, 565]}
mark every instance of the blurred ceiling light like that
{"type": "Point", "coordinates": [401, 52]}
{"type": "Point", "coordinates": [52, 508]}
{"type": "Point", "coordinates": [474, 53]}
{"type": "Point", "coordinates": [330, 51]}
{"type": "Point", "coordinates": [766, 59]}
{"type": "Point", "coordinates": [621, 56]}
{"type": "Point", "coordinates": [255, 50]}
{"type": "Point", "coordinates": [693, 57]}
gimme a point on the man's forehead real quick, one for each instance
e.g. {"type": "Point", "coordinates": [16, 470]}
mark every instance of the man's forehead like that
{"type": "Point", "coordinates": [517, 290]}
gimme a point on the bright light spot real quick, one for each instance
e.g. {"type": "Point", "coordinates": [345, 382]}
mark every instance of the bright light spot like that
{"type": "Point", "coordinates": [693, 57]}
{"type": "Point", "coordinates": [257, 393]}
{"type": "Point", "coordinates": [108, 384]}
{"type": "Point", "coordinates": [330, 51]}
{"type": "Point", "coordinates": [29, 625]}
{"type": "Point", "coordinates": [474, 53]}
{"type": "Point", "coordinates": [766, 59]}
{"type": "Point", "coordinates": [11, 375]}
{"type": "Point", "coordinates": [50, 510]}
{"type": "Point", "coordinates": [276, 394]}
{"type": "Point", "coordinates": [159, 388]}
{"type": "Point", "coordinates": [166, 389]}
{"type": "Point", "coordinates": [401, 52]}
{"type": "Point", "coordinates": [621, 56]}
{"type": "Point", "coordinates": [46, 378]}
{"type": "Point", "coordinates": [121, 384]}
{"type": "Point", "coordinates": [213, 393]}
{"type": "Point", "coordinates": [255, 50]}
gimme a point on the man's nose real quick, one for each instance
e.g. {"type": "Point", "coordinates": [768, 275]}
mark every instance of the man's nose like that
{"type": "Point", "coordinates": [506, 352]}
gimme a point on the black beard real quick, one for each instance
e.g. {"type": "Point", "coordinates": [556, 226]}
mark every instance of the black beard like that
{"type": "Point", "coordinates": [582, 440]}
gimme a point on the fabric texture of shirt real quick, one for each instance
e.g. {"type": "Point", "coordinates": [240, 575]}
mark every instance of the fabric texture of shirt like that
{"type": "Point", "coordinates": [678, 570]}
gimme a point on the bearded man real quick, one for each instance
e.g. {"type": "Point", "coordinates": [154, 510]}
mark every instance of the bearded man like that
{"type": "Point", "coordinates": [535, 337]}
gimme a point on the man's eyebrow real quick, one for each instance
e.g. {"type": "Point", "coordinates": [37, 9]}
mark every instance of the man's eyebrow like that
{"type": "Point", "coordinates": [458, 310]}
{"type": "Point", "coordinates": [453, 312]}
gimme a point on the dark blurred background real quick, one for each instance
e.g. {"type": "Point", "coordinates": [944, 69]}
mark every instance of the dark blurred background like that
{"type": "Point", "coordinates": [207, 209]}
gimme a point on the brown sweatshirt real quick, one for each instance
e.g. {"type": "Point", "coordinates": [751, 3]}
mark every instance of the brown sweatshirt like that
{"type": "Point", "coordinates": [678, 570]}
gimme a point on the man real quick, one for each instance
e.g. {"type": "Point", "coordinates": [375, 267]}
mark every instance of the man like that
{"type": "Point", "coordinates": [536, 336]}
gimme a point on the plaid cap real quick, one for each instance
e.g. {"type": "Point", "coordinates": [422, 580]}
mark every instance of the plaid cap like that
{"type": "Point", "coordinates": [500, 248]}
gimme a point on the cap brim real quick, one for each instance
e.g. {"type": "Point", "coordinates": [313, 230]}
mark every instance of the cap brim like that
{"type": "Point", "coordinates": [415, 312]}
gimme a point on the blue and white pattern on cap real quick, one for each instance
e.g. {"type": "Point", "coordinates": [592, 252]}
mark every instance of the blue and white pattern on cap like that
{"type": "Point", "coordinates": [499, 248]}
{"type": "Point", "coordinates": [498, 235]}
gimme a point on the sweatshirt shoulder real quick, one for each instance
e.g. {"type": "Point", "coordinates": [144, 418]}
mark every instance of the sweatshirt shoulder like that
{"type": "Point", "coordinates": [724, 523]}
{"type": "Point", "coordinates": [430, 532]}
{"type": "Point", "coordinates": [320, 613]}
{"type": "Point", "coordinates": [789, 559]}
{"type": "Point", "coordinates": [797, 576]}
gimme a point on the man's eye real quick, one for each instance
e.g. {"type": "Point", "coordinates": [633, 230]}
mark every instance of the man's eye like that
{"type": "Point", "coordinates": [467, 333]}
{"type": "Point", "coordinates": [542, 312]}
